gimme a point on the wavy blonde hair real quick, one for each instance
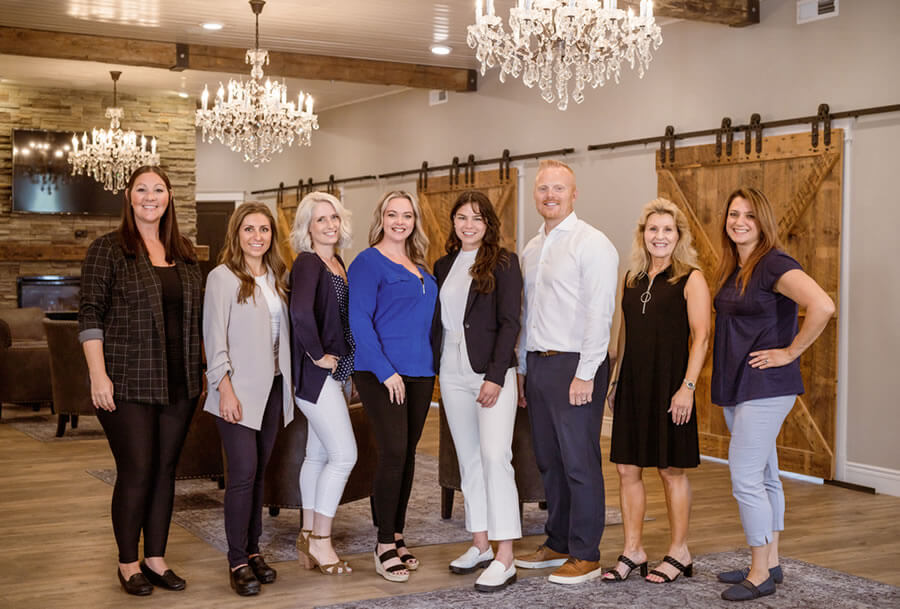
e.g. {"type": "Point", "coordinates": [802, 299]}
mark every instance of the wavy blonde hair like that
{"type": "Point", "coordinates": [232, 255]}
{"type": "Point", "coordinates": [417, 242]}
{"type": "Point", "coordinates": [300, 239]}
{"type": "Point", "coordinates": [684, 257]}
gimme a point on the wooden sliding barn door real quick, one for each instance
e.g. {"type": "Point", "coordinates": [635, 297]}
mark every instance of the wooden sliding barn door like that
{"type": "Point", "coordinates": [440, 193]}
{"type": "Point", "coordinates": [803, 184]}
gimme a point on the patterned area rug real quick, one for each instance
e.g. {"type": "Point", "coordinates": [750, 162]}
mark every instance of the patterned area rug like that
{"type": "Point", "coordinates": [805, 586]}
{"type": "Point", "coordinates": [43, 427]}
{"type": "Point", "coordinates": [199, 509]}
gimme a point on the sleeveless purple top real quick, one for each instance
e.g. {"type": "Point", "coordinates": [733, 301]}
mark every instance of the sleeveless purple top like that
{"type": "Point", "coordinates": [760, 319]}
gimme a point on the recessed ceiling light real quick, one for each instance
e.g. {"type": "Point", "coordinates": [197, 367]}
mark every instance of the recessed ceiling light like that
{"type": "Point", "coordinates": [212, 26]}
{"type": "Point", "coordinates": [440, 49]}
{"type": "Point", "coordinates": [183, 94]}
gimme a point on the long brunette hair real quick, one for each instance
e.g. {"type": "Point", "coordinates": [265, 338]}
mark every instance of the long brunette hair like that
{"type": "Point", "coordinates": [232, 255]}
{"type": "Point", "coordinates": [768, 238]}
{"type": "Point", "coordinates": [175, 245]}
{"type": "Point", "coordinates": [489, 254]}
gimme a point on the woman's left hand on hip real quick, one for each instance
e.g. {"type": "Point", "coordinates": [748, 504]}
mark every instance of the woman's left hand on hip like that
{"type": "Point", "coordinates": [770, 358]}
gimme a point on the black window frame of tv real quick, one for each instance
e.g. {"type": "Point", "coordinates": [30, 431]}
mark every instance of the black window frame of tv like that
{"type": "Point", "coordinates": [43, 182]}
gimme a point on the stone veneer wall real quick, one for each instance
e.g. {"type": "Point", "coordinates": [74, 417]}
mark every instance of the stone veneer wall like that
{"type": "Point", "coordinates": [170, 119]}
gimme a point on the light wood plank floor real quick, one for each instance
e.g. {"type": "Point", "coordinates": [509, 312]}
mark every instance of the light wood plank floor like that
{"type": "Point", "coordinates": [57, 548]}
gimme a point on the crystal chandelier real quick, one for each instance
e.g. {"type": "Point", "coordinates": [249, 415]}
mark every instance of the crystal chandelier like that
{"type": "Point", "coordinates": [111, 155]}
{"type": "Point", "coordinates": [256, 118]}
{"type": "Point", "coordinates": [553, 42]}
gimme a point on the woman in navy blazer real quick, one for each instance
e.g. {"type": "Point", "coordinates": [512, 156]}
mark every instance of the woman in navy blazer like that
{"type": "Point", "coordinates": [391, 312]}
{"type": "Point", "coordinates": [322, 348]}
{"type": "Point", "coordinates": [474, 341]}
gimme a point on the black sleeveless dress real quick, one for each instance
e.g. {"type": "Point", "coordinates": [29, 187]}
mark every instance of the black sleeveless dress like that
{"type": "Point", "coordinates": [656, 354]}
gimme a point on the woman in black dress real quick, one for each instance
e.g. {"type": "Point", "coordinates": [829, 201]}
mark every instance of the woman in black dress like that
{"type": "Point", "coordinates": [665, 320]}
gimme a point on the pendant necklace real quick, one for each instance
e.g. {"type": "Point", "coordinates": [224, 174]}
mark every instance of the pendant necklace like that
{"type": "Point", "coordinates": [645, 297]}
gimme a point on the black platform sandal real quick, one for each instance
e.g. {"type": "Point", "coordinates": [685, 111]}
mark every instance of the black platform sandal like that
{"type": "Point", "coordinates": [618, 577]}
{"type": "Point", "coordinates": [688, 571]}
{"type": "Point", "coordinates": [389, 573]}
{"type": "Point", "coordinates": [411, 562]}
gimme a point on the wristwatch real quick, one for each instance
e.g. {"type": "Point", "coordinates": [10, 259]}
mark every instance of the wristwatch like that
{"type": "Point", "coordinates": [690, 384]}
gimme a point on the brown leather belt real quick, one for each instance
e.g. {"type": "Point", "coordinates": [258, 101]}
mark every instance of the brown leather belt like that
{"type": "Point", "coordinates": [550, 353]}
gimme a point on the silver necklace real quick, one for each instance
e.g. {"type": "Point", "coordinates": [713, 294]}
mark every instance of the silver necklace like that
{"type": "Point", "coordinates": [646, 296]}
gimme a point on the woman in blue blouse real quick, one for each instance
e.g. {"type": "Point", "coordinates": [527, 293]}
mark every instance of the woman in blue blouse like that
{"type": "Point", "coordinates": [391, 311]}
{"type": "Point", "coordinates": [756, 375]}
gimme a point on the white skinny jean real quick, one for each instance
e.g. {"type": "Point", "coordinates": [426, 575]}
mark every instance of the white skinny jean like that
{"type": "Point", "coordinates": [330, 449]}
{"type": "Point", "coordinates": [753, 461]}
{"type": "Point", "coordinates": [483, 441]}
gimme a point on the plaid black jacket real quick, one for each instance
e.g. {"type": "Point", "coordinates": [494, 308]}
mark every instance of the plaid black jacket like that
{"type": "Point", "coordinates": [121, 304]}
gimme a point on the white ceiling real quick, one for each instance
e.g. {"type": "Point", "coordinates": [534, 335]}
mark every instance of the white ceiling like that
{"type": "Point", "coordinates": [395, 30]}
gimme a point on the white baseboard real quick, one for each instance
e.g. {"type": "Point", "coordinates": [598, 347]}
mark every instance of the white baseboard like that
{"type": "Point", "coordinates": [882, 479]}
{"type": "Point", "coordinates": [781, 472]}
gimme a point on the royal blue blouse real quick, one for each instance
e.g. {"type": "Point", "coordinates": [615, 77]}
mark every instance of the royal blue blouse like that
{"type": "Point", "coordinates": [391, 313]}
{"type": "Point", "coordinates": [760, 319]}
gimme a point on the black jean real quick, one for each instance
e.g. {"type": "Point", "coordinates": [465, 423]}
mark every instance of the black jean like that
{"type": "Point", "coordinates": [248, 452]}
{"type": "Point", "coordinates": [146, 441]}
{"type": "Point", "coordinates": [398, 428]}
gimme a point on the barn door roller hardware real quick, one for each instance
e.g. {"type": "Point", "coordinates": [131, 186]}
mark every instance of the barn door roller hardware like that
{"type": "Point", "coordinates": [755, 126]}
{"type": "Point", "coordinates": [422, 179]}
{"type": "Point", "coordinates": [469, 174]}
{"type": "Point", "coordinates": [824, 117]}
{"type": "Point", "coordinates": [726, 131]}
{"type": "Point", "coordinates": [667, 140]}
{"type": "Point", "coordinates": [504, 165]}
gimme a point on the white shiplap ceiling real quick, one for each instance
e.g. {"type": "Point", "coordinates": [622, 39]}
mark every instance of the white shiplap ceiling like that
{"type": "Point", "coordinates": [395, 30]}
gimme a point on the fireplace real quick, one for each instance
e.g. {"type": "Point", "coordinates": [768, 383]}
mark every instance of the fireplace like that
{"type": "Point", "coordinates": [54, 294]}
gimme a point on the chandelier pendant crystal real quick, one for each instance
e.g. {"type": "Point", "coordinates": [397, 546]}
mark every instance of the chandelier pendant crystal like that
{"type": "Point", "coordinates": [253, 117]}
{"type": "Point", "coordinates": [111, 155]}
{"type": "Point", "coordinates": [564, 45]}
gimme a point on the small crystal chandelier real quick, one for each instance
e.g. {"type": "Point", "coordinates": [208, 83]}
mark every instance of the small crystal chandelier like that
{"type": "Point", "coordinates": [111, 155]}
{"type": "Point", "coordinates": [555, 41]}
{"type": "Point", "coordinates": [256, 118]}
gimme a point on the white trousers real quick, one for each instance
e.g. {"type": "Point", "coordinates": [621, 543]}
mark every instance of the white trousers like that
{"type": "Point", "coordinates": [483, 441]}
{"type": "Point", "coordinates": [330, 449]}
{"type": "Point", "coordinates": [753, 461]}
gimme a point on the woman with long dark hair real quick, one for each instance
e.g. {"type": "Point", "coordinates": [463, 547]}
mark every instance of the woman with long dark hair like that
{"type": "Point", "coordinates": [392, 307]}
{"type": "Point", "coordinates": [139, 323]}
{"type": "Point", "coordinates": [756, 372]}
{"type": "Point", "coordinates": [247, 337]}
{"type": "Point", "coordinates": [663, 338]}
{"type": "Point", "coordinates": [475, 341]}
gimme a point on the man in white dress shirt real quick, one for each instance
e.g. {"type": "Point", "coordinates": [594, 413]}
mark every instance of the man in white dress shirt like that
{"type": "Point", "coordinates": [570, 273]}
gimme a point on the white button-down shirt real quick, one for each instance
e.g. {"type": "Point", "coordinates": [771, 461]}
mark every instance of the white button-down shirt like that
{"type": "Point", "coordinates": [570, 293]}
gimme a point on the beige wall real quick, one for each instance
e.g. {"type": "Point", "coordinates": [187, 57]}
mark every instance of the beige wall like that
{"type": "Point", "coordinates": [701, 74]}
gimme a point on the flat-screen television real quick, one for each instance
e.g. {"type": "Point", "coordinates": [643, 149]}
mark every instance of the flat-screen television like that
{"type": "Point", "coordinates": [43, 182]}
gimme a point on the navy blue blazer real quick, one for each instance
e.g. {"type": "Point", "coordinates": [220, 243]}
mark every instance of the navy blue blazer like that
{"type": "Point", "coordinates": [316, 327]}
{"type": "Point", "coordinates": [491, 321]}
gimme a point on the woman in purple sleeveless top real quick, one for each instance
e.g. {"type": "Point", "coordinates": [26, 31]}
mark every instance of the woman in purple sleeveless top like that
{"type": "Point", "coordinates": [756, 372]}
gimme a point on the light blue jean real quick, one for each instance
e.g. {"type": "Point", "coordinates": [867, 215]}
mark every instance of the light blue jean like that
{"type": "Point", "coordinates": [753, 461]}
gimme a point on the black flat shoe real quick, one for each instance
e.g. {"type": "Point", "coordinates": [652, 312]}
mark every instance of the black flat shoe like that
{"type": "Point", "coordinates": [243, 581]}
{"type": "Point", "coordinates": [739, 575]}
{"type": "Point", "coordinates": [263, 572]}
{"type": "Point", "coordinates": [746, 591]}
{"type": "Point", "coordinates": [137, 584]}
{"type": "Point", "coordinates": [167, 580]}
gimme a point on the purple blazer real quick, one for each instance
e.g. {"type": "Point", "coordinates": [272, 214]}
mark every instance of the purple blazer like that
{"type": "Point", "coordinates": [316, 327]}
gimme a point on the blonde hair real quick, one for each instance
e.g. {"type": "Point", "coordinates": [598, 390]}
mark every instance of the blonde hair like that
{"type": "Point", "coordinates": [554, 164]}
{"type": "Point", "coordinates": [232, 255]}
{"type": "Point", "coordinates": [417, 242]}
{"type": "Point", "coordinates": [300, 238]}
{"type": "Point", "coordinates": [684, 257]}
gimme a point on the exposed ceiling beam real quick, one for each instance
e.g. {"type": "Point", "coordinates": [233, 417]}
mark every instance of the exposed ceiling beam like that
{"type": "Point", "coordinates": [737, 13]}
{"type": "Point", "coordinates": [145, 53]}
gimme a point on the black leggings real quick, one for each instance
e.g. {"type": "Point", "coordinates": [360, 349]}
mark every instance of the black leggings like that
{"type": "Point", "coordinates": [146, 441]}
{"type": "Point", "coordinates": [248, 452]}
{"type": "Point", "coordinates": [398, 428]}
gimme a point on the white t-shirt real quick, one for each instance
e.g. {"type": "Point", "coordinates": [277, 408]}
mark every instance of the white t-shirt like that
{"type": "Point", "coordinates": [273, 302]}
{"type": "Point", "coordinates": [455, 292]}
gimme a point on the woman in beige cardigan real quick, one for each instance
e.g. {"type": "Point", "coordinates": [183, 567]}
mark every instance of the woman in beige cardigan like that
{"type": "Point", "coordinates": [247, 337]}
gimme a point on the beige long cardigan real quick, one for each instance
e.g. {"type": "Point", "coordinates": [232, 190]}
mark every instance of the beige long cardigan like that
{"type": "Point", "coordinates": [238, 341]}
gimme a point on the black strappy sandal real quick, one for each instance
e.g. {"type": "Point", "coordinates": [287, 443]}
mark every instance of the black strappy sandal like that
{"type": "Point", "coordinates": [411, 562]}
{"type": "Point", "coordinates": [618, 577]}
{"type": "Point", "coordinates": [390, 573]}
{"type": "Point", "coordinates": [688, 571]}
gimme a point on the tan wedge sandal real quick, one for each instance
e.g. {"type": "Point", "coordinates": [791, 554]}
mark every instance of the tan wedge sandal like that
{"type": "Point", "coordinates": [341, 567]}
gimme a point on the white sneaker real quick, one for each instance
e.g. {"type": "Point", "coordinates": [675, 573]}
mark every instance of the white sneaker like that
{"type": "Point", "coordinates": [495, 577]}
{"type": "Point", "coordinates": [472, 560]}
